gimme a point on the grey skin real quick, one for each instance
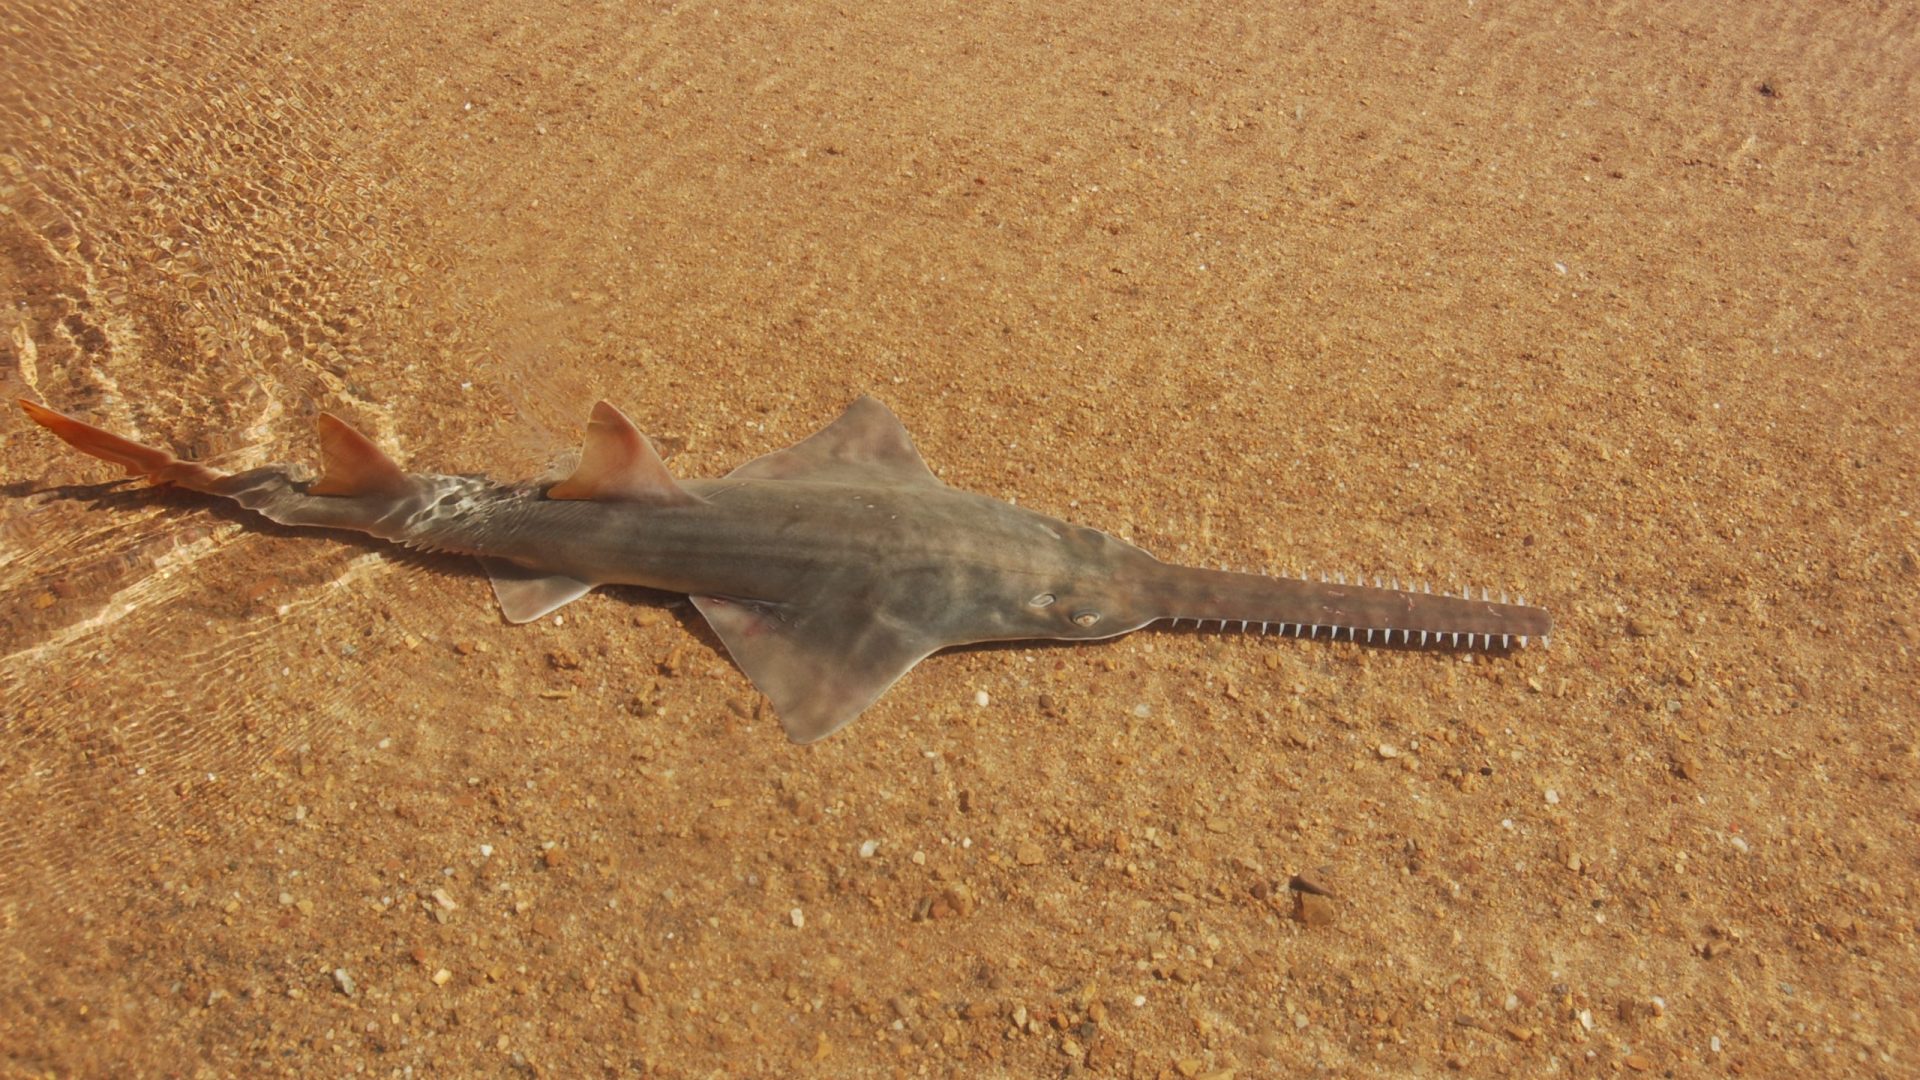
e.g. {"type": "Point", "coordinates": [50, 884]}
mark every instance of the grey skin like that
{"type": "Point", "coordinates": [828, 569]}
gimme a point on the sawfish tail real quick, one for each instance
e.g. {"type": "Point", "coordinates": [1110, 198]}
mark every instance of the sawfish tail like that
{"type": "Point", "coordinates": [138, 459]}
{"type": "Point", "coordinates": [1382, 612]}
{"type": "Point", "coordinates": [360, 487]}
{"type": "Point", "coordinates": [363, 490]}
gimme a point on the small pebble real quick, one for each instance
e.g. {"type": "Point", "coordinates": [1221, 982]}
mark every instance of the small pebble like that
{"type": "Point", "coordinates": [798, 918]}
{"type": "Point", "coordinates": [1741, 843]}
{"type": "Point", "coordinates": [486, 851]}
{"type": "Point", "coordinates": [344, 982]}
{"type": "Point", "coordinates": [982, 699]}
{"type": "Point", "coordinates": [1388, 750]}
{"type": "Point", "coordinates": [1143, 710]}
{"type": "Point", "coordinates": [1586, 1019]}
{"type": "Point", "coordinates": [1553, 797]}
{"type": "Point", "coordinates": [440, 977]}
{"type": "Point", "coordinates": [867, 848]}
{"type": "Point", "coordinates": [1312, 909]}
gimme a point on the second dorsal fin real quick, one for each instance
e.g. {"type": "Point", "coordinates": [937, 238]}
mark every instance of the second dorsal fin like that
{"type": "Point", "coordinates": [351, 465]}
{"type": "Point", "coordinates": [618, 464]}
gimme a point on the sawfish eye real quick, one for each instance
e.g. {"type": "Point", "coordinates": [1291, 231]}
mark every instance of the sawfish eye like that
{"type": "Point", "coordinates": [1087, 618]}
{"type": "Point", "coordinates": [1045, 599]}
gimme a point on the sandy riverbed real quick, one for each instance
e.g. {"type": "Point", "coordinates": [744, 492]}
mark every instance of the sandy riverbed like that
{"type": "Point", "coordinates": [1615, 309]}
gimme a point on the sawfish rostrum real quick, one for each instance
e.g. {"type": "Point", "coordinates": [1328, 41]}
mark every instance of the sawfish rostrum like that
{"type": "Point", "coordinates": [829, 569]}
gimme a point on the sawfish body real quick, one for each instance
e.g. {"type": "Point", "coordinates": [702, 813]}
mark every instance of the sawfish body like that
{"type": "Point", "coordinates": [828, 569]}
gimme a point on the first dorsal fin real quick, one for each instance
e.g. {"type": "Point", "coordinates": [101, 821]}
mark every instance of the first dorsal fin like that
{"type": "Point", "coordinates": [618, 464]}
{"type": "Point", "coordinates": [351, 465]}
{"type": "Point", "coordinates": [867, 445]}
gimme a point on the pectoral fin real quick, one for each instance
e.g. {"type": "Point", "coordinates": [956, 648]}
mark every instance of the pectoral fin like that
{"type": "Point", "coordinates": [820, 665]}
{"type": "Point", "coordinates": [526, 595]}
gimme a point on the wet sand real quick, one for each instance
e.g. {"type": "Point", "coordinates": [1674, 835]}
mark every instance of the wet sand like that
{"type": "Point", "coordinates": [1613, 309]}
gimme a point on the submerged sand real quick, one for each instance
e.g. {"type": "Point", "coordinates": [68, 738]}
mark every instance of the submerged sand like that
{"type": "Point", "coordinates": [1614, 308]}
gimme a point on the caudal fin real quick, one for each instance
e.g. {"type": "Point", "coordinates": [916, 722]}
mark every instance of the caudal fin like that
{"type": "Point", "coordinates": [137, 458]}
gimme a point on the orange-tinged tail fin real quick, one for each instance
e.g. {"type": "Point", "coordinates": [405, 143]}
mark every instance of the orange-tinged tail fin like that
{"type": "Point", "coordinates": [137, 458]}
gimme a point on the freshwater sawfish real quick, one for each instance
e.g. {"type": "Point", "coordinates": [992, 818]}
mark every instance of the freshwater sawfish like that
{"type": "Point", "coordinates": [828, 569]}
